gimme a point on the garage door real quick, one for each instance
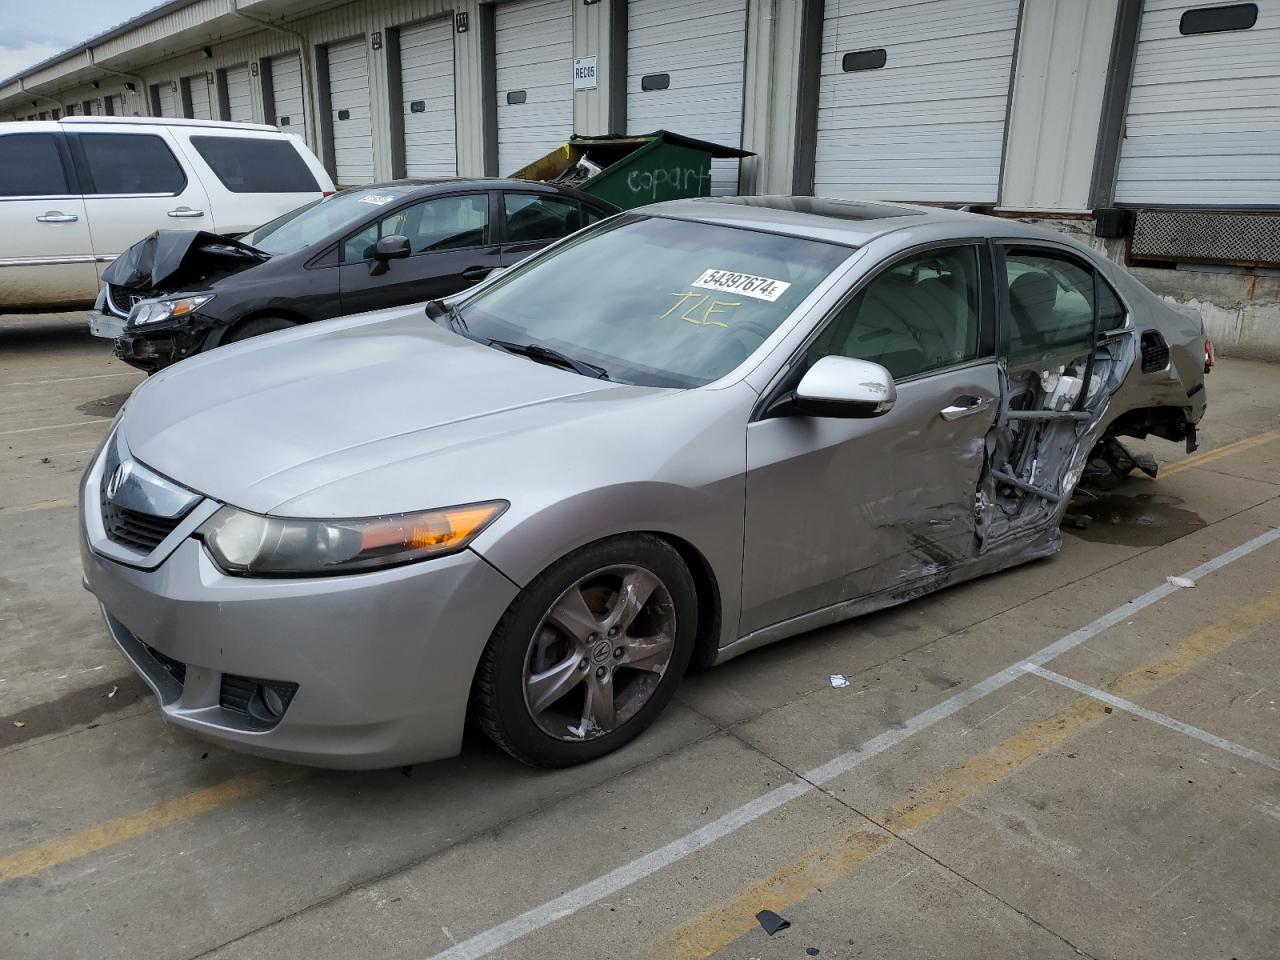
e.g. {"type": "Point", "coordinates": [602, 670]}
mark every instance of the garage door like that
{"type": "Point", "coordinates": [239, 94]}
{"type": "Point", "coordinates": [349, 101]}
{"type": "Point", "coordinates": [286, 94]}
{"type": "Point", "coordinates": [1203, 123]}
{"type": "Point", "coordinates": [168, 98]}
{"type": "Point", "coordinates": [671, 88]}
{"type": "Point", "coordinates": [912, 99]}
{"type": "Point", "coordinates": [198, 86]}
{"type": "Point", "coordinates": [534, 54]}
{"type": "Point", "coordinates": [426, 90]}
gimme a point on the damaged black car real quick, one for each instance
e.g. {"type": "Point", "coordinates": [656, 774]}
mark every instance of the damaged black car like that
{"type": "Point", "coordinates": [181, 292]}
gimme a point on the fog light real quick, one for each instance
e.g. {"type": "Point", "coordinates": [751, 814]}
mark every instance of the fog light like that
{"type": "Point", "coordinates": [272, 700]}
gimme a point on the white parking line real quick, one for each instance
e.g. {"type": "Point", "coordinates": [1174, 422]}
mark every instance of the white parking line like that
{"type": "Point", "coordinates": [610, 883]}
{"type": "Point", "coordinates": [95, 376]}
{"type": "Point", "coordinates": [56, 426]}
{"type": "Point", "coordinates": [1129, 707]}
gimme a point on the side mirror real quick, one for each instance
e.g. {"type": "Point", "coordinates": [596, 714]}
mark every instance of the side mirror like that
{"type": "Point", "coordinates": [394, 247]}
{"type": "Point", "coordinates": [844, 387]}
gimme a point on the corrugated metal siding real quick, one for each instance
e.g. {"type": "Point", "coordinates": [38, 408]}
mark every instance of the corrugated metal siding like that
{"type": "Point", "coordinates": [1203, 123]}
{"type": "Point", "coordinates": [704, 96]}
{"type": "Point", "coordinates": [426, 76]}
{"type": "Point", "coordinates": [929, 125]}
{"type": "Point", "coordinates": [591, 28]}
{"type": "Point", "coordinates": [1060, 79]}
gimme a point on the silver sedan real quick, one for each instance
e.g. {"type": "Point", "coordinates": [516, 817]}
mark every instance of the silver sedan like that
{"type": "Point", "coordinates": [682, 433]}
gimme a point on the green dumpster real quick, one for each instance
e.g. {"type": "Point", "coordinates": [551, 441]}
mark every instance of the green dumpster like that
{"type": "Point", "coordinates": [630, 171]}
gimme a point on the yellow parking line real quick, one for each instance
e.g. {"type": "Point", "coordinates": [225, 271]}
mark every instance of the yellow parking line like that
{"type": "Point", "coordinates": [1200, 459]}
{"type": "Point", "coordinates": [29, 861]}
{"type": "Point", "coordinates": [723, 924]}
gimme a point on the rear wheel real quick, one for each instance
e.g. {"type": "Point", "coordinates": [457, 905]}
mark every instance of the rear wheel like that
{"type": "Point", "coordinates": [257, 327]}
{"type": "Point", "coordinates": [588, 654]}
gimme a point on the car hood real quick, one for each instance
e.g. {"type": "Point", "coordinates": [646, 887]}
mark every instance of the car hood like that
{"type": "Point", "coordinates": [378, 413]}
{"type": "Point", "coordinates": [181, 260]}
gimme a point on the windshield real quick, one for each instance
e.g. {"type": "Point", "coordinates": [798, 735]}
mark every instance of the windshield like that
{"type": "Point", "coordinates": [314, 221]}
{"type": "Point", "coordinates": [653, 301]}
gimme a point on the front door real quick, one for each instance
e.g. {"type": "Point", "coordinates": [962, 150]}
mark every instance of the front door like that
{"type": "Point", "coordinates": [451, 249]}
{"type": "Point", "coordinates": [531, 221]}
{"type": "Point", "coordinates": [46, 257]}
{"type": "Point", "coordinates": [842, 509]}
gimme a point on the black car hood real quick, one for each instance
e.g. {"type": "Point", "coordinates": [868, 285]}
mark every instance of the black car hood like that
{"type": "Point", "coordinates": [181, 259]}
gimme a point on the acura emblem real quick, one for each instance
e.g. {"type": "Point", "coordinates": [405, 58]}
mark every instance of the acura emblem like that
{"type": "Point", "coordinates": [117, 480]}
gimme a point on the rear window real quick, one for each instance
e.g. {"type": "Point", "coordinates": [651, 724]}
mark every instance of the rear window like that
{"type": "Point", "coordinates": [30, 166]}
{"type": "Point", "coordinates": [126, 163]}
{"type": "Point", "coordinates": [250, 165]}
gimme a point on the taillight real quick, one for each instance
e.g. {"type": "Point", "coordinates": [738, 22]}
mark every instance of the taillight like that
{"type": "Point", "coordinates": [329, 193]}
{"type": "Point", "coordinates": [1208, 355]}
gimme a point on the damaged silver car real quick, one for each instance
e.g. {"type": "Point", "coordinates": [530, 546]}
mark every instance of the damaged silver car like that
{"type": "Point", "coordinates": [680, 434]}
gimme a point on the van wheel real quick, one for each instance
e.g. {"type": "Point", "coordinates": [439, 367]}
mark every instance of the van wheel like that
{"type": "Point", "coordinates": [257, 327]}
{"type": "Point", "coordinates": [589, 653]}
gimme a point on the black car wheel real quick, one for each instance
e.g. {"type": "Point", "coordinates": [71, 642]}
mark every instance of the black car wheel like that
{"type": "Point", "coordinates": [589, 653]}
{"type": "Point", "coordinates": [257, 327]}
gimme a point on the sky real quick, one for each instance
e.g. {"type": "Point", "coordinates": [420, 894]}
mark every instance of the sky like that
{"type": "Point", "coordinates": [33, 31]}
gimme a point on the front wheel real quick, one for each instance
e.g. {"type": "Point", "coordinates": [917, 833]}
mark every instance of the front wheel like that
{"type": "Point", "coordinates": [257, 327]}
{"type": "Point", "coordinates": [589, 653]}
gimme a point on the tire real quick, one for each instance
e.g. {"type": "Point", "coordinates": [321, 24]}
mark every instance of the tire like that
{"type": "Point", "coordinates": [257, 327]}
{"type": "Point", "coordinates": [531, 657]}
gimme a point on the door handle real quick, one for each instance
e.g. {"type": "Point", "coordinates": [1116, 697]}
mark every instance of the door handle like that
{"type": "Point", "coordinates": [473, 274]}
{"type": "Point", "coordinates": [186, 212]}
{"type": "Point", "coordinates": [57, 216]}
{"type": "Point", "coordinates": [965, 406]}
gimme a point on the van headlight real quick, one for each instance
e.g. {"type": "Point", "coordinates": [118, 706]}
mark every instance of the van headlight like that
{"type": "Point", "coordinates": [156, 311]}
{"type": "Point", "coordinates": [251, 545]}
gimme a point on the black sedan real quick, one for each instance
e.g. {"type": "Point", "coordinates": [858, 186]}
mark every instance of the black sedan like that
{"type": "Point", "coordinates": [178, 293]}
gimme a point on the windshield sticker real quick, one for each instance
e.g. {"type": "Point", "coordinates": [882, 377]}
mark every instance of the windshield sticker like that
{"type": "Point", "coordinates": [377, 199]}
{"type": "Point", "coordinates": [700, 308]}
{"type": "Point", "coordinates": [725, 281]}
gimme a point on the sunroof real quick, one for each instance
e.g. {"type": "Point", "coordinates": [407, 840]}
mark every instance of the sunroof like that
{"type": "Point", "coordinates": [823, 207]}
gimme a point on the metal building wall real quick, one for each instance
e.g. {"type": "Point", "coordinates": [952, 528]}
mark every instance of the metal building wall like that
{"type": "Point", "coordinates": [591, 38]}
{"type": "Point", "coordinates": [1059, 81]}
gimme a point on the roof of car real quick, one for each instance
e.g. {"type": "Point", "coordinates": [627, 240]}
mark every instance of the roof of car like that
{"type": "Point", "coordinates": [849, 222]}
{"type": "Point", "coordinates": [409, 185]}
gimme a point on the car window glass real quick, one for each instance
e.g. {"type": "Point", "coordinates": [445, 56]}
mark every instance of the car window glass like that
{"type": "Point", "coordinates": [256, 164]}
{"type": "Point", "coordinates": [120, 163]}
{"type": "Point", "coordinates": [444, 223]}
{"type": "Point", "coordinates": [30, 166]}
{"type": "Point", "coordinates": [531, 218]}
{"type": "Point", "coordinates": [1050, 308]}
{"type": "Point", "coordinates": [654, 301]}
{"type": "Point", "coordinates": [920, 314]}
{"type": "Point", "coordinates": [1111, 312]}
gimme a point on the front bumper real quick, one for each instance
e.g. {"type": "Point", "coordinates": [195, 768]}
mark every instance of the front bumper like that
{"type": "Point", "coordinates": [105, 325]}
{"type": "Point", "coordinates": [153, 350]}
{"type": "Point", "coordinates": [382, 661]}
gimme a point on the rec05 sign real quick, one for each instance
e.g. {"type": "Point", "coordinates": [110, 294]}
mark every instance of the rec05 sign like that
{"type": "Point", "coordinates": [584, 73]}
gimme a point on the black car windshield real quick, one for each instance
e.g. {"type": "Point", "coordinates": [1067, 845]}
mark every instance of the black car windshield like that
{"type": "Point", "coordinates": [312, 222]}
{"type": "Point", "coordinates": [654, 301]}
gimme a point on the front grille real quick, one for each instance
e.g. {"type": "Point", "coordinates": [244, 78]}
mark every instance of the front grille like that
{"type": "Point", "coordinates": [124, 299]}
{"type": "Point", "coordinates": [141, 531]}
{"type": "Point", "coordinates": [1155, 352]}
{"type": "Point", "coordinates": [175, 668]}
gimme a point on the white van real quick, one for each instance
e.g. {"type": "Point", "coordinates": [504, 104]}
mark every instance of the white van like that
{"type": "Point", "coordinates": [76, 192]}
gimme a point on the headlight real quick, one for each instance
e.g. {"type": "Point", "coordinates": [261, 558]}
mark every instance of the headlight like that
{"type": "Point", "coordinates": [246, 544]}
{"type": "Point", "coordinates": [154, 311]}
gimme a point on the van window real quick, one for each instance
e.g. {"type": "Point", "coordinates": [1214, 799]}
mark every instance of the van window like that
{"type": "Point", "coordinates": [126, 163]}
{"type": "Point", "coordinates": [30, 166]}
{"type": "Point", "coordinates": [252, 165]}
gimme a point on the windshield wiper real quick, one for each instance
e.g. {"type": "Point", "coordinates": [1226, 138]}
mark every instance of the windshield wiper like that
{"type": "Point", "coordinates": [549, 355]}
{"type": "Point", "coordinates": [438, 310]}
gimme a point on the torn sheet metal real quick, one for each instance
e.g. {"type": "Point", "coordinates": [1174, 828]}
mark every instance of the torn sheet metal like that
{"type": "Point", "coordinates": [180, 259]}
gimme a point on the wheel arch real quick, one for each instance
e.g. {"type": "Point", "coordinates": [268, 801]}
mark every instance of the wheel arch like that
{"type": "Point", "coordinates": [225, 331]}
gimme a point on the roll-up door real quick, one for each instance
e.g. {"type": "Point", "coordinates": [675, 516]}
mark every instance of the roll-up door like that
{"type": "Point", "coordinates": [685, 74]}
{"type": "Point", "coordinates": [286, 94]}
{"type": "Point", "coordinates": [534, 54]}
{"type": "Point", "coordinates": [1203, 122]}
{"type": "Point", "coordinates": [198, 90]}
{"type": "Point", "coordinates": [239, 94]}
{"type": "Point", "coordinates": [349, 103]}
{"type": "Point", "coordinates": [426, 90]}
{"type": "Point", "coordinates": [913, 98]}
{"type": "Point", "coordinates": [168, 98]}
